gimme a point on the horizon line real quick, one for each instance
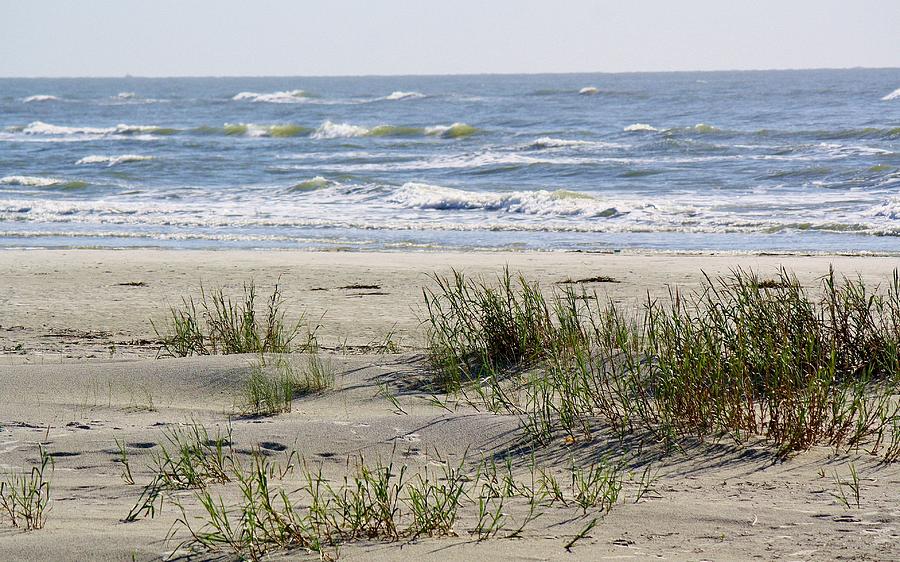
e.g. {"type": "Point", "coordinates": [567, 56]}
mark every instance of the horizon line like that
{"type": "Point", "coordinates": [431, 75]}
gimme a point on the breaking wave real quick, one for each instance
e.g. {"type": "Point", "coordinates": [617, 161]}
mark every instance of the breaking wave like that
{"type": "Point", "coordinates": [41, 128]}
{"type": "Point", "coordinates": [399, 95]}
{"type": "Point", "coordinates": [544, 143]}
{"type": "Point", "coordinates": [39, 97]}
{"type": "Point", "coordinates": [892, 96]}
{"type": "Point", "coordinates": [454, 131]}
{"type": "Point", "coordinates": [34, 181]}
{"type": "Point", "coordinates": [253, 130]}
{"type": "Point", "coordinates": [292, 96]}
{"type": "Point", "coordinates": [541, 202]}
{"type": "Point", "coordinates": [640, 128]}
{"type": "Point", "coordinates": [331, 130]}
{"type": "Point", "coordinates": [313, 184]}
{"type": "Point", "coordinates": [588, 91]}
{"type": "Point", "coordinates": [113, 160]}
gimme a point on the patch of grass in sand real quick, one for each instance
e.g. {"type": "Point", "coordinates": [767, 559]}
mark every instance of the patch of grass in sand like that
{"type": "Point", "coordinates": [477, 330]}
{"type": "Point", "coordinates": [216, 324]}
{"type": "Point", "coordinates": [25, 498]}
{"type": "Point", "coordinates": [739, 357]}
{"type": "Point", "coordinates": [276, 380]}
{"type": "Point", "coordinates": [852, 485]}
{"type": "Point", "coordinates": [123, 459]}
{"type": "Point", "coordinates": [375, 502]}
{"type": "Point", "coordinates": [188, 459]}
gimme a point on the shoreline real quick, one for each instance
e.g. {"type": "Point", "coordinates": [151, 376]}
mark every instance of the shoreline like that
{"type": "Point", "coordinates": [635, 251]}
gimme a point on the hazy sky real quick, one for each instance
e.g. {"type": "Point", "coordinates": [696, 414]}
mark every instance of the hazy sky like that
{"type": "Point", "coordinates": [334, 37]}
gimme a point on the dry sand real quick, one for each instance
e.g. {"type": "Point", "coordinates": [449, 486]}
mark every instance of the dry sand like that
{"type": "Point", "coordinates": [79, 371]}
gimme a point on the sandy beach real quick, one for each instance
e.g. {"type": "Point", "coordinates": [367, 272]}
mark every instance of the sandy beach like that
{"type": "Point", "coordinates": [80, 371]}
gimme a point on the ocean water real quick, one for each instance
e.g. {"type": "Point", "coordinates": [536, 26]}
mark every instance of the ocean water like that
{"type": "Point", "coordinates": [724, 161]}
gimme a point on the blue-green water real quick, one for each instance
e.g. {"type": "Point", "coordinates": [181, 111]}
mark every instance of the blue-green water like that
{"type": "Point", "coordinates": [734, 161]}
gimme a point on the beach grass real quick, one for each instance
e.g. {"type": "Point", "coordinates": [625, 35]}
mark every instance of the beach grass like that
{"type": "Point", "coordinates": [380, 501]}
{"type": "Point", "coordinates": [276, 380]}
{"type": "Point", "coordinates": [216, 323]}
{"type": "Point", "coordinates": [741, 357]}
{"type": "Point", "coordinates": [25, 498]}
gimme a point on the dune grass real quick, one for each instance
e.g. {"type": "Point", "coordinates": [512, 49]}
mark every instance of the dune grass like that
{"type": "Point", "coordinates": [25, 498]}
{"type": "Point", "coordinates": [740, 357]}
{"type": "Point", "coordinates": [188, 458]}
{"type": "Point", "coordinates": [276, 380]}
{"type": "Point", "coordinates": [216, 324]}
{"type": "Point", "coordinates": [381, 502]}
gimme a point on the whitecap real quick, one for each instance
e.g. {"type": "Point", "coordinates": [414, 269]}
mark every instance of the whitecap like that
{"type": "Point", "coordinates": [705, 128]}
{"type": "Point", "coordinates": [291, 96]}
{"type": "Point", "coordinates": [541, 202]}
{"type": "Point", "coordinates": [400, 95]}
{"type": "Point", "coordinates": [892, 96]}
{"type": "Point", "coordinates": [640, 127]}
{"type": "Point", "coordinates": [550, 142]}
{"type": "Point", "coordinates": [312, 184]}
{"type": "Point", "coordinates": [113, 160]}
{"type": "Point", "coordinates": [455, 130]}
{"type": "Point", "coordinates": [329, 130]}
{"type": "Point", "coordinates": [41, 128]}
{"type": "Point", "coordinates": [588, 91]}
{"type": "Point", "coordinates": [40, 97]}
{"type": "Point", "coordinates": [31, 181]}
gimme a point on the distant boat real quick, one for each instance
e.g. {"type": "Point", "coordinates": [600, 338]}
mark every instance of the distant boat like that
{"type": "Point", "coordinates": [588, 91]}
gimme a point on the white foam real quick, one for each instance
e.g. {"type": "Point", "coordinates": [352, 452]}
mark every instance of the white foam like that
{"type": "Point", "coordinates": [291, 96]}
{"type": "Point", "coordinates": [705, 128]}
{"type": "Point", "coordinates": [640, 127]}
{"type": "Point", "coordinates": [329, 130]}
{"type": "Point", "coordinates": [400, 95]}
{"type": "Point", "coordinates": [541, 202]}
{"type": "Point", "coordinates": [30, 181]}
{"type": "Point", "coordinates": [889, 209]}
{"type": "Point", "coordinates": [41, 128]}
{"type": "Point", "coordinates": [40, 97]}
{"type": "Point", "coordinates": [113, 160]}
{"type": "Point", "coordinates": [588, 91]}
{"type": "Point", "coordinates": [457, 129]}
{"type": "Point", "coordinates": [125, 95]}
{"type": "Point", "coordinates": [892, 96]}
{"type": "Point", "coordinates": [550, 142]}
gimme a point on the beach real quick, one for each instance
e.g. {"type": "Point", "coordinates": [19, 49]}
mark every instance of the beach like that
{"type": "Point", "coordinates": [81, 372]}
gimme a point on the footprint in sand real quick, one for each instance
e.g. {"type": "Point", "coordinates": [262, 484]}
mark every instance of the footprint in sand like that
{"type": "Point", "coordinates": [272, 446]}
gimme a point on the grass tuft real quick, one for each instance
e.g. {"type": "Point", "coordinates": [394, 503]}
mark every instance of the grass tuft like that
{"type": "Point", "coordinates": [740, 357]}
{"type": "Point", "coordinates": [25, 498]}
{"type": "Point", "coordinates": [275, 381]}
{"type": "Point", "coordinates": [216, 324]}
{"type": "Point", "coordinates": [374, 502]}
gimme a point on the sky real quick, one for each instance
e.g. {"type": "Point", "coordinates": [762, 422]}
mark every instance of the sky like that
{"type": "Point", "coordinates": [358, 37]}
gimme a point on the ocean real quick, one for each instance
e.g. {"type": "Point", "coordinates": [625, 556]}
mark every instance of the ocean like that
{"type": "Point", "coordinates": [797, 161]}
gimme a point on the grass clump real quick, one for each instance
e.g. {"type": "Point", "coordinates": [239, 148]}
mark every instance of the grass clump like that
{"type": "Point", "coordinates": [477, 330]}
{"type": "Point", "coordinates": [375, 502]}
{"type": "Point", "coordinates": [216, 324]}
{"type": "Point", "coordinates": [275, 381]}
{"type": "Point", "coordinates": [25, 498]}
{"type": "Point", "coordinates": [188, 459]}
{"type": "Point", "coordinates": [739, 357]}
